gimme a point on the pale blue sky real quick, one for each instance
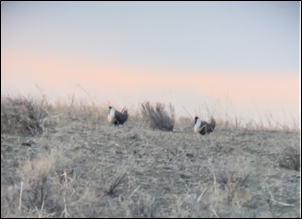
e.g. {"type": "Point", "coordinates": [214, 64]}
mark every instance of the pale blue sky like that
{"type": "Point", "coordinates": [240, 54]}
{"type": "Point", "coordinates": [210, 36]}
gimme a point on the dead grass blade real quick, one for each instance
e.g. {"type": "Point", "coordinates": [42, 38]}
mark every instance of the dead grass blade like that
{"type": "Point", "coordinates": [119, 180]}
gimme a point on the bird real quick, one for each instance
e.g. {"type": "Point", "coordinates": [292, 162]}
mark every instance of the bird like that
{"type": "Point", "coordinates": [117, 118]}
{"type": "Point", "coordinates": [203, 127]}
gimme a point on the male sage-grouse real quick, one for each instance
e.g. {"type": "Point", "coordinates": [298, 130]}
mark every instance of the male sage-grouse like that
{"type": "Point", "coordinates": [203, 127]}
{"type": "Point", "coordinates": [117, 118]}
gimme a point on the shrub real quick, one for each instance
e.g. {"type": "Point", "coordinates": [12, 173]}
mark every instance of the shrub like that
{"type": "Point", "coordinates": [290, 159]}
{"type": "Point", "coordinates": [22, 115]}
{"type": "Point", "coordinates": [158, 117]}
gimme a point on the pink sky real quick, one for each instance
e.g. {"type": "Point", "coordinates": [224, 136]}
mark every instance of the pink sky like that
{"type": "Point", "coordinates": [275, 92]}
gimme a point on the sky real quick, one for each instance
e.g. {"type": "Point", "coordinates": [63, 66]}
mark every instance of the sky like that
{"type": "Point", "coordinates": [243, 56]}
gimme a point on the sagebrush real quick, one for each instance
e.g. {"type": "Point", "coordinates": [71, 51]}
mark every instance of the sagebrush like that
{"type": "Point", "coordinates": [158, 116]}
{"type": "Point", "coordinates": [23, 115]}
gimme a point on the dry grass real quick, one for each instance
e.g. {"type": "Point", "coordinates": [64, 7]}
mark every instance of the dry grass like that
{"type": "Point", "coordinates": [80, 166]}
{"type": "Point", "coordinates": [119, 180]}
{"type": "Point", "coordinates": [23, 115]}
{"type": "Point", "coordinates": [157, 116]}
{"type": "Point", "coordinates": [290, 158]}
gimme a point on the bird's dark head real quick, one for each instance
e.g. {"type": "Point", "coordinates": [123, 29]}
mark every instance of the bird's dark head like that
{"type": "Point", "coordinates": [196, 117]}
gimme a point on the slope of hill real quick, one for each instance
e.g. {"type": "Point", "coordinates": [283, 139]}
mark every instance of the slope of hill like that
{"type": "Point", "coordinates": [80, 166]}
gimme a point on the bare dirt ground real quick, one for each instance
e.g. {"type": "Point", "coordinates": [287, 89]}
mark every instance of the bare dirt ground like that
{"type": "Point", "coordinates": [80, 166]}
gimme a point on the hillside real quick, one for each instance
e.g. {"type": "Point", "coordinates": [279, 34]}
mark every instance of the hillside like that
{"type": "Point", "coordinates": [74, 164]}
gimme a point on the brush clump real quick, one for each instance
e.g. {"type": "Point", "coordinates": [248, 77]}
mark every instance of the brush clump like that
{"type": "Point", "coordinates": [157, 116]}
{"type": "Point", "coordinates": [22, 115]}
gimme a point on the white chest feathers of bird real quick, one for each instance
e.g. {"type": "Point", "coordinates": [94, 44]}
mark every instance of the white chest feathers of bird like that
{"type": "Point", "coordinates": [111, 115]}
{"type": "Point", "coordinates": [197, 126]}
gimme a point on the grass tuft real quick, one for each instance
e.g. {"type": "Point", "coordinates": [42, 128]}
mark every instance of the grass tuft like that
{"type": "Point", "coordinates": [290, 159]}
{"type": "Point", "coordinates": [22, 115]}
{"type": "Point", "coordinates": [115, 183]}
{"type": "Point", "coordinates": [158, 117]}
